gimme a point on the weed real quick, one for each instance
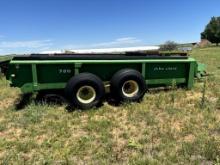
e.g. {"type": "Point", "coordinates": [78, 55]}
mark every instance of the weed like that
{"type": "Point", "coordinates": [133, 145]}
{"type": "Point", "coordinates": [203, 99]}
{"type": "Point", "coordinates": [159, 101]}
{"type": "Point", "coordinates": [173, 94]}
{"type": "Point", "coordinates": [218, 104]}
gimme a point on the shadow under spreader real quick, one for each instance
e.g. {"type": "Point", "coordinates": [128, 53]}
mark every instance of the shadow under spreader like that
{"type": "Point", "coordinates": [23, 101]}
{"type": "Point", "coordinates": [52, 98]}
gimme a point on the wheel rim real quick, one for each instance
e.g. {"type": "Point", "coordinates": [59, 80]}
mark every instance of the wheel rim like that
{"type": "Point", "coordinates": [130, 88]}
{"type": "Point", "coordinates": [86, 94]}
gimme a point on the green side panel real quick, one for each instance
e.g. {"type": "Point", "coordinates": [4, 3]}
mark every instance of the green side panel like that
{"type": "Point", "coordinates": [191, 75]}
{"type": "Point", "coordinates": [106, 71]}
{"type": "Point", "coordinates": [38, 75]}
{"type": "Point", "coordinates": [166, 70]}
{"type": "Point", "coordinates": [54, 73]}
{"type": "Point", "coordinates": [22, 74]}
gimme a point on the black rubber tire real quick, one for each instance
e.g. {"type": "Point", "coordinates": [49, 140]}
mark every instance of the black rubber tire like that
{"type": "Point", "coordinates": [84, 79]}
{"type": "Point", "coordinates": [23, 101]}
{"type": "Point", "coordinates": [51, 97]}
{"type": "Point", "coordinates": [119, 78]}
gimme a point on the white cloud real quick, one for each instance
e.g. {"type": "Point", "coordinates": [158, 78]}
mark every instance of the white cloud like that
{"type": "Point", "coordinates": [117, 45]}
{"type": "Point", "coordinates": [25, 44]}
{"type": "Point", "coordinates": [120, 42]}
{"type": "Point", "coordinates": [47, 45]}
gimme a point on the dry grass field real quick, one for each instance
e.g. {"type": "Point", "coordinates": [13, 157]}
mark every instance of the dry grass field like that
{"type": "Point", "coordinates": [168, 127]}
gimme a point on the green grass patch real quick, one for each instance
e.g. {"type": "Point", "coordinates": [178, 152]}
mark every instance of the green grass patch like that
{"type": "Point", "coordinates": [168, 127]}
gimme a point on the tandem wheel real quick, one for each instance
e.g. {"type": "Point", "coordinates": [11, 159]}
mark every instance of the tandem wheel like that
{"type": "Point", "coordinates": [85, 91]}
{"type": "Point", "coordinates": [127, 85]}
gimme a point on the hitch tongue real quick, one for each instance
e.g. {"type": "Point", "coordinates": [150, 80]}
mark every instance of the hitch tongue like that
{"type": "Point", "coordinates": [201, 70]}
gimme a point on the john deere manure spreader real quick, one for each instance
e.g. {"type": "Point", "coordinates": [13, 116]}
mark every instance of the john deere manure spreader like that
{"type": "Point", "coordinates": [83, 78]}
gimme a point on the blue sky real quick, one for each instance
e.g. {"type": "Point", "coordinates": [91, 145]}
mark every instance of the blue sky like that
{"type": "Point", "coordinates": [42, 25]}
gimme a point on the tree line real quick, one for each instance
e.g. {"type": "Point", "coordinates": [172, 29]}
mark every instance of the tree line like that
{"type": "Point", "coordinates": [211, 33]}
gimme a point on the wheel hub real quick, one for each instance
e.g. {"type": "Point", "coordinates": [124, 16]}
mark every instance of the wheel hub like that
{"type": "Point", "coordinates": [86, 94]}
{"type": "Point", "coordinates": [130, 88]}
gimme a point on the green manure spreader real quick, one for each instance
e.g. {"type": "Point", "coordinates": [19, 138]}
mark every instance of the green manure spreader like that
{"type": "Point", "coordinates": [84, 79]}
